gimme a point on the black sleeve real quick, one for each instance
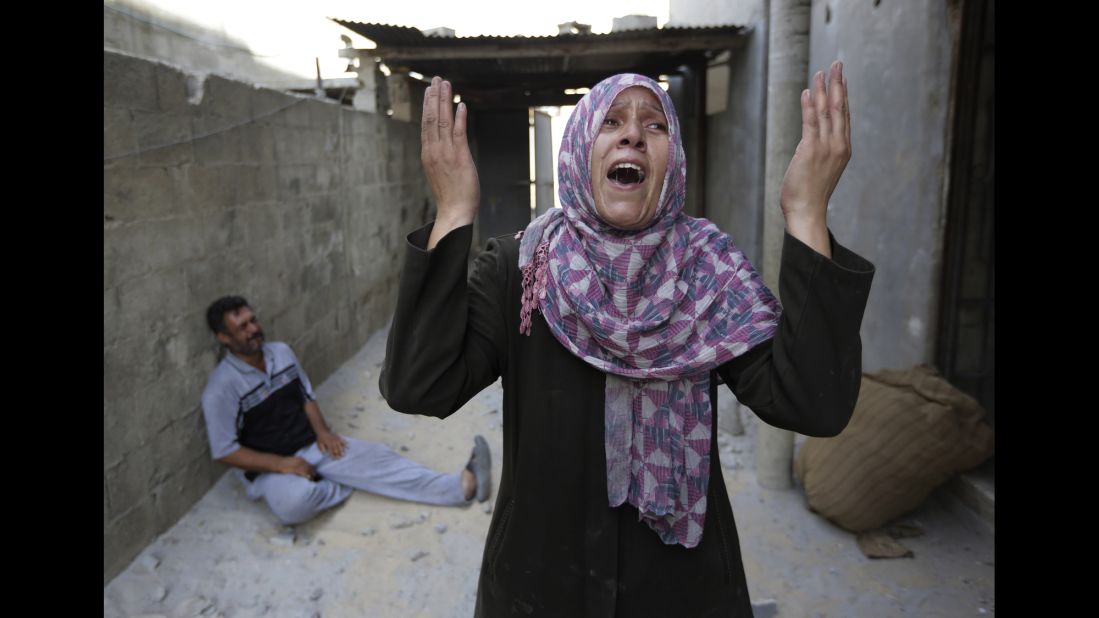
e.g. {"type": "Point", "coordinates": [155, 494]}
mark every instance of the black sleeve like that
{"type": "Point", "coordinates": [447, 339]}
{"type": "Point", "coordinates": [806, 378]}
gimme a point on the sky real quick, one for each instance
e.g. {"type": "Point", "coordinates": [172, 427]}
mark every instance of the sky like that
{"type": "Point", "coordinates": [290, 34]}
{"type": "Point", "coordinates": [296, 35]}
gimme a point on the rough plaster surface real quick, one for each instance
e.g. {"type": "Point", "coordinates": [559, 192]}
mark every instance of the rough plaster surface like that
{"type": "Point", "coordinates": [889, 207]}
{"type": "Point", "coordinates": [219, 559]}
{"type": "Point", "coordinates": [297, 204]}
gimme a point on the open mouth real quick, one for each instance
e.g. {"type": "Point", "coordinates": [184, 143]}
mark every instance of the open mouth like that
{"type": "Point", "coordinates": [626, 174]}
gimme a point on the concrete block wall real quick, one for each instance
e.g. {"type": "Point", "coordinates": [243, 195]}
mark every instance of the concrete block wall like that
{"type": "Point", "coordinates": [215, 187]}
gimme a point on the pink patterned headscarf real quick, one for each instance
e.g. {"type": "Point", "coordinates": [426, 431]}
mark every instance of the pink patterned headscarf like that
{"type": "Point", "coordinates": [656, 309]}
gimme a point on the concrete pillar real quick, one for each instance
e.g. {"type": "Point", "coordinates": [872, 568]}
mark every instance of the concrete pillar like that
{"type": "Point", "coordinates": [543, 163]}
{"type": "Point", "coordinates": [787, 69]}
{"type": "Point", "coordinates": [373, 94]}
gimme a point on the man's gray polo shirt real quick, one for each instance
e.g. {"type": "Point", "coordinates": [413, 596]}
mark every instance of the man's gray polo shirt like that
{"type": "Point", "coordinates": [235, 388]}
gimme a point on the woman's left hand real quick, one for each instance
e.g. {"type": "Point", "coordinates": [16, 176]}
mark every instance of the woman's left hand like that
{"type": "Point", "coordinates": [822, 154]}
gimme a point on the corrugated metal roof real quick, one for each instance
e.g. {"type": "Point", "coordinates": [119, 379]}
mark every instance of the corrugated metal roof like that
{"type": "Point", "coordinates": [536, 70]}
{"type": "Point", "coordinates": [386, 35]}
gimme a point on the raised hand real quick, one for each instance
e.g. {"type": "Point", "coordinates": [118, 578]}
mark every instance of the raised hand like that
{"type": "Point", "coordinates": [447, 162]}
{"type": "Point", "coordinates": [820, 158]}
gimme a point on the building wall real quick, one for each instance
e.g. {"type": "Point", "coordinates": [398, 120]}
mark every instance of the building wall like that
{"type": "Point", "coordinates": [297, 204]}
{"type": "Point", "coordinates": [890, 204]}
{"type": "Point", "coordinates": [736, 134]}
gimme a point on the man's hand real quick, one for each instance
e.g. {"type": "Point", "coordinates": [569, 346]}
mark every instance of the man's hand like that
{"type": "Point", "coordinates": [331, 444]}
{"type": "Point", "coordinates": [447, 161]}
{"type": "Point", "coordinates": [298, 466]}
{"type": "Point", "coordinates": [820, 158]}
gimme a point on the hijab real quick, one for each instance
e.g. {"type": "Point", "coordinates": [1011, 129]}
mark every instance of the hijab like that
{"type": "Point", "coordinates": [656, 309]}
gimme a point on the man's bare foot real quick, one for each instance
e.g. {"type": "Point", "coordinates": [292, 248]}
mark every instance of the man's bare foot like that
{"type": "Point", "coordinates": [469, 484]}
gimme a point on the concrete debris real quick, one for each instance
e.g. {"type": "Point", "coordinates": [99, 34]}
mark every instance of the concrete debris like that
{"type": "Point", "coordinates": [440, 528]}
{"type": "Point", "coordinates": [150, 562]}
{"type": "Point", "coordinates": [158, 593]}
{"type": "Point", "coordinates": [317, 594]}
{"type": "Point", "coordinates": [320, 542]}
{"type": "Point", "coordinates": [360, 409]}
{"type": "Point", "coordinates": [404, 449]}
{"type": "Point", "coordinates": [367, 531]}
{"type": "Point", "coordinates": [403, 523]}
{"type": "Point", "coordinates": [492, 411]}
{"type": "Point", "coordinates": [353, 425]}
{"type": "Point", "coordinates": [487, 508]}
{"type": "Point", "coordinates": [417, 555]}
{"type": "Point", "coordinates": [411, 436]}
{"type": "Point", "coordinates": [492, 426]}
{"type": "Point", "coordinates": [284, 538]}
{"type": "Point", "coordinates": [194, 606]}
{"type": "Point", "coordinates": [767, 608]}
{"type": "Point", "coordinates": [423, 516]}
{"type": "Point", "coordinates": [982, 610]}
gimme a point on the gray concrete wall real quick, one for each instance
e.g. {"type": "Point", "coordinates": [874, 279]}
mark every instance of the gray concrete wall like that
{"type": "Point", "coordinates": [735, 136]}
{"type": "Point", "coordinates": [890, 206]}
{"type": "Point", "coordinates": [297, 204]}
{"type": "Point", "coordinates": [734, 149]}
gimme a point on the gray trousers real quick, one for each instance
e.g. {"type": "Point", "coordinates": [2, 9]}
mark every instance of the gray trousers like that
{"type": "Point", "coordinates": [364, 465]}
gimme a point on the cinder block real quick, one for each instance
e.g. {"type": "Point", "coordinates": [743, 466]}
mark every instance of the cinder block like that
{"type": "Point", "coordinates": [206, 280]}
{"type": "Point", "coordinates": [106, 502]}
{"type": "Point", "coordinates": [147, 245]}
{"type": "Point", "coordinates": [128, 82]}
{"type": "Point", "coordinates": [257, 143]}
{"type": "Point", "coordinates": [179, 492]}
{"type": "Point", "coordinates": [324, 209]}
{"type": "Point", "coordinates": [144, 300]}
{"type": "Point", "coordinates": [177, 443]}
{"type": "Point", "coordinates": [298, 145]}
{"type": "Point", "coordinates": [119, 136]}
{"type": "Point", "coordinates": [133, 193]}
{"type": "Point", "coordinates": [171, 87]}
{"type": "Point", "coordinates": [164, 138]}
{"type": "Point", "coordinates": [329, 178]}
{"type": "Point", "coordinates": [265, 183]}
{"type": "Point", "coordinates": [217, 139]}
{"type": "Point", "coordinates": [266, 104]}
{"type": "Point", "coordinates": [128, 482]}
{"type": "Point", "coordinates": [213, 186]}
{"type": "Point", "coordinates": [126, 368]}
{"type": "Point", "coordinates": [323, 114]}
{"type": "Point", "coordinates": [121, 433]}
{"type": "Point", "coordinates": [261, 220]}
{"type": "Point", "coordinates": [226, 98]}
{"type": "Point", "coordinates": [125, 536]}
{"type": "Point", "coordinates": [296, 180]}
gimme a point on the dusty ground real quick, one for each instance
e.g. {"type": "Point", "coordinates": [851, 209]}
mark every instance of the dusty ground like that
{"type": "Point", "coordinates": [373, 556]}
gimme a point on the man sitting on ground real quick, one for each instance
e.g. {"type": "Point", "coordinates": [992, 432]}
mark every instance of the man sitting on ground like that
{"type": "Point", "coordinates": [262, 419]}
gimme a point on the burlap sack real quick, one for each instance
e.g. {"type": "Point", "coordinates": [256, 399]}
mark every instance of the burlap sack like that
{"type": "Point", "coordinates": [911, 431]}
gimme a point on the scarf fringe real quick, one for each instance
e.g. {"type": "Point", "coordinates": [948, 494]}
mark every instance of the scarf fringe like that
{"type": "Point", "coordinates": [534, 285]}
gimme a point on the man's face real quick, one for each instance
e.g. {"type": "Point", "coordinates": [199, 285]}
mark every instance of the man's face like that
{"type": "Point", "coordinates": [243, 334]}
{"type": "Point", "coordinates": [629, 160]}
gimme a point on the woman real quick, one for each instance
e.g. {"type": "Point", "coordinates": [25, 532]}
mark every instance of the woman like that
{"type": "Point", "coordinates": [610, 321]}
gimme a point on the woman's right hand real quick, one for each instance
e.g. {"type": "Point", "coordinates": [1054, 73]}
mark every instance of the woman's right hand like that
{"type": "Point", "coordinates": [447, 161]}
